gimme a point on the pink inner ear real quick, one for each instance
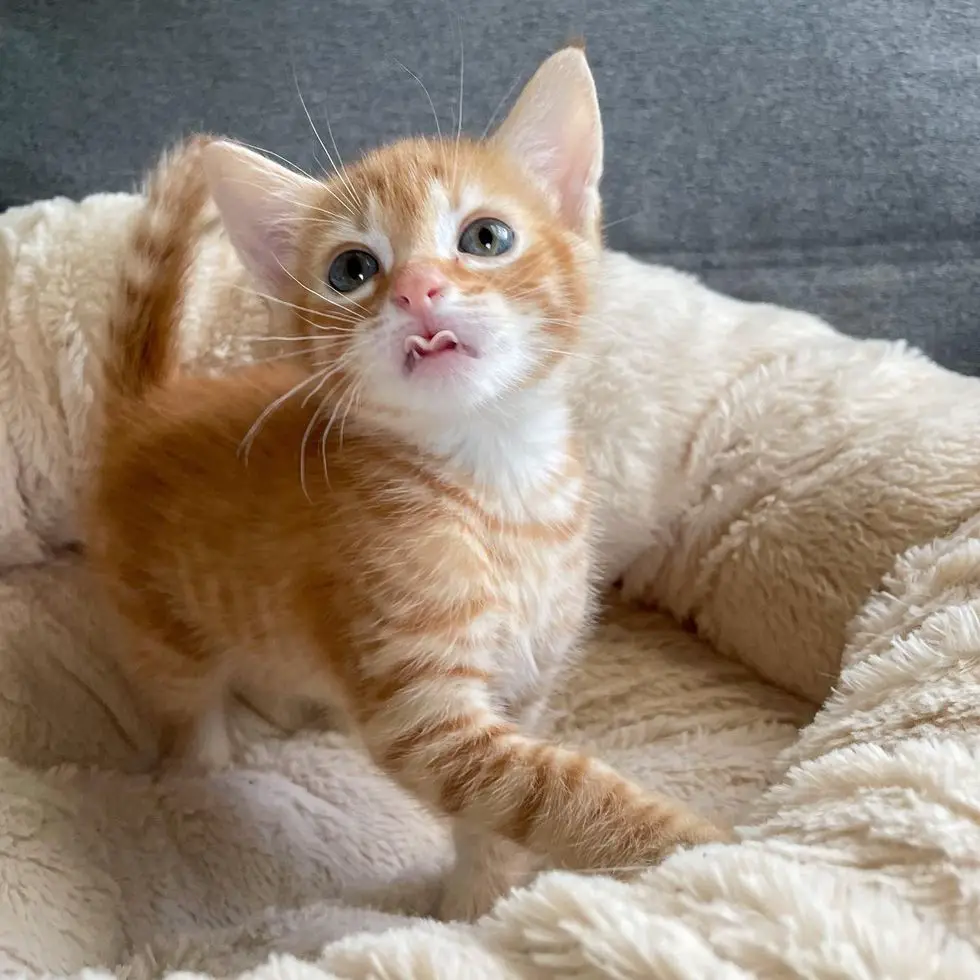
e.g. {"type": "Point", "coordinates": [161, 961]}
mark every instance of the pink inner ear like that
{"type": "Point", "coordinates": [579, 173]}
{"type": "Point", "coordinates": [268, 251]}
{"type": "Point", "coordinates": [555, 130]}
{"type": "Point", "coordinates": [260, 203]}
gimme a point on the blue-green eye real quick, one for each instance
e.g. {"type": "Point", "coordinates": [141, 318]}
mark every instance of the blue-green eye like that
{"type": "Point", "coordinates": [487, 237]}
{"type": "Point", "coordinates": [351, 270]}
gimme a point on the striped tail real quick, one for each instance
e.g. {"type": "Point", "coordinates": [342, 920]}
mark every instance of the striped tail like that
{"type": "Point", "coordinates": [143, 333]}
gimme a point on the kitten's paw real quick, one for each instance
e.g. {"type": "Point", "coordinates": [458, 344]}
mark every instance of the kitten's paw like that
{"type": "Point", "coordinates": [213, 753]}
{"type": "Point", "coordinates": [636, 583]}
{"type": "Point", "coordinates": [696, 830]}
{"type": "Point", "coordinates": [689, 831]}
{"type": "Point", "coordinates": [196, 749]}
{"type": "Point", "coordinates": [470, 900]}
{"type": "Point", "coordinates": [467, 896]}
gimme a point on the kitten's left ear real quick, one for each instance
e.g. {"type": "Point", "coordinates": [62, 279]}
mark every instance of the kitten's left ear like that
{"type": "Point", "coordinates": [555, 130]}
{"type": "Point", "coordinates": [261, 205]}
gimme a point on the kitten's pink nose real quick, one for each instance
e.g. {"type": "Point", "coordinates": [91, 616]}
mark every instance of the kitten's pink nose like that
{"type": "Point", "coordinates": [418, 288]}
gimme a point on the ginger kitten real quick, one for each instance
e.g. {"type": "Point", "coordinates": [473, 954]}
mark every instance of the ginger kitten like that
{"type": "Point", "coordinates": [396, 520]}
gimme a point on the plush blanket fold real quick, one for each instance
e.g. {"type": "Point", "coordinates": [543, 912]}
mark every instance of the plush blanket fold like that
{"type": "Point", "coordinates": [807, 470]}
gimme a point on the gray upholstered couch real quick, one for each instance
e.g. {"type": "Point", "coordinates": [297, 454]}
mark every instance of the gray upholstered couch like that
{"type": "Point", "coordinates": [820, 154]}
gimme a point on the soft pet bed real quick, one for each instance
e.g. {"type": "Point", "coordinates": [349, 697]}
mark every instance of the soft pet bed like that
{"type": "Point", "coordinates": [802, 509]}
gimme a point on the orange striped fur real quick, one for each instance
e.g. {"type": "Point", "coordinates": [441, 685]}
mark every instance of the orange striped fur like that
{"type": "Point", "coordinates": [411, 548]}
{"type": "Point", "coordinates": [151, 292]}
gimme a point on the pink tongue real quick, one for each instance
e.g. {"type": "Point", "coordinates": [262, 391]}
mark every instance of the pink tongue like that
{"type": "Point", "coordinates": [443, 340]}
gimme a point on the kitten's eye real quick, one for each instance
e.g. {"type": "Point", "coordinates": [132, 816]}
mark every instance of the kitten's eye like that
{"type": "Point", "coordinates": [351, 269]}
{"type": "Point", "coordinates": [487, 237]}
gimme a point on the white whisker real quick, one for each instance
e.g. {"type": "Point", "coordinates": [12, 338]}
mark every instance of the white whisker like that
{"type": "Point", "coordinates": [294, 339]}
{"type": "Point", "coordinates": [313, 219]}
{"type": "Point", "coordinates": [350, 202]}
{"type": "Point", "coordinates": [343, 307]}
{"type": "Point", "coordinates": [277, 156]}
{"type": "Point", "coordinates": [579, 355]}
{"type": "Point", "coordinates": [296, 202]}
{"type": "Point", "coordinates": [337, 368]}
{"type": "Point", "coordinates": [245, 445]}
{"type": "Point", "coordinates": [348, 397]}
{"type": "Point", "coordinates": [459, 110]}
{"type": "Point", "coordinates": [302, 309]}
{"type": "Point", "coordinates": [344, 326]}
{"type": "Point", "coordinates": [432, 106]}
{"type": "Point", "coordinates": [500, 105]}
{"type": "Point", "coordinates": [355, 395]}
{"type": "Point", "coordinates": [341, 170]}
{"type": "Point", "coordinates": [618, 221]}
{"type": "Point", "coordinates": [279, 357]}
{"type": "Point", "coordinates": [302, 448]}
{"type": "Point", "coordinates": [324, 436]}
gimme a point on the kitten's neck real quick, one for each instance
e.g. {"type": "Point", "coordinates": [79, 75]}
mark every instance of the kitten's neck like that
{"type": "Point", "coordinates": [509, 450]}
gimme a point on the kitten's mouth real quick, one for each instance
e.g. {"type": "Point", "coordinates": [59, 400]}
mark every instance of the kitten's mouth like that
{"type": "Point", "coordinates": [418, 348]}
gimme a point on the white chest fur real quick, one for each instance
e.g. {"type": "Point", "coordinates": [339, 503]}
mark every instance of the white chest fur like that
{"type": "Point", "coordinates": [518, 463]}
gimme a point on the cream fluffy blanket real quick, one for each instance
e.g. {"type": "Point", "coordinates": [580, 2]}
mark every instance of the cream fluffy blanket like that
{"type": "Point", "coordinates": [760, 475]}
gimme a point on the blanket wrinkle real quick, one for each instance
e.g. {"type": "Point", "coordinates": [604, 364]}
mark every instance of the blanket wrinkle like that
{"type": "Point", "coordinates": [807, 503]}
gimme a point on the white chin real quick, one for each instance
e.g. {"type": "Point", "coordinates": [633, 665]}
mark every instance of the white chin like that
{"type": "Point", "coordinates": [451, 381]}
{"type": "Point", "coordinates": [448, 364]}
{"type": "Point", "coordinates": [430, 387]}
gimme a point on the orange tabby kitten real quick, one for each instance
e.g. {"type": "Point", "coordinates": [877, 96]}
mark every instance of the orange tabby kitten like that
{"type": "Point", "coordinates": [407, 533]}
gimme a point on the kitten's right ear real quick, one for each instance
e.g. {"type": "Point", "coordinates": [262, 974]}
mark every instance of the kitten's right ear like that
{"type": "Point", "coordinates": [261, 204]}
{"type": "Point", "coordinates": [555, 130]}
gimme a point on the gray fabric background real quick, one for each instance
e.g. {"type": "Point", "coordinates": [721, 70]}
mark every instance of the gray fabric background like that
{"type": "Point", "coordinates": [821, 154]}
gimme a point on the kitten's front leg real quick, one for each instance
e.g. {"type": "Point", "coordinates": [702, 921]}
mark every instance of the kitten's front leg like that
{"type": "Point", "coordinates": [486, 868]}
{"type": "Point", "coordinates": [187, 700]}
{"type": "Point", "coordinates": [199, 744]}
{"type": "Point", "coordinates": [437, 732]}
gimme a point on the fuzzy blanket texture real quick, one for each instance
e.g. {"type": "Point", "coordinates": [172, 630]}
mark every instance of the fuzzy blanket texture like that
{"type": "Point", "coordinates": [801, 508]}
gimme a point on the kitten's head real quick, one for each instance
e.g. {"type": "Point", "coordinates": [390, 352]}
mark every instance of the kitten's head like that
{"type": "Point", "coordinates": [437, 275]}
